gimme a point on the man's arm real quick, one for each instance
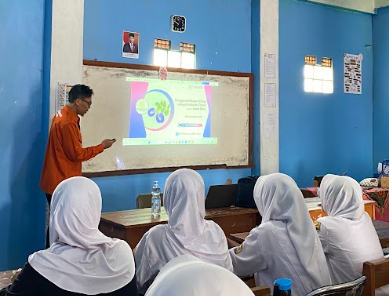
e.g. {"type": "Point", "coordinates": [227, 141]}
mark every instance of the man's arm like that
{"type": "Point", "coordinates": [73, 147]}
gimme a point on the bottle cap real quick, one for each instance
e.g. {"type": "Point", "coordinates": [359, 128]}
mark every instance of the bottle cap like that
{"type": "Point", "coordinates": [285, 284]}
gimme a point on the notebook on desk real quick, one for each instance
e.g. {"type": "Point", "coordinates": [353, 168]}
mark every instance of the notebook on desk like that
{"type": "Point", "coordinates": [221, 196]}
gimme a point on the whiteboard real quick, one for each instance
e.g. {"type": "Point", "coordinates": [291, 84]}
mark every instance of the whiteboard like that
{"type": "Point", "coordinates": [227, 144]}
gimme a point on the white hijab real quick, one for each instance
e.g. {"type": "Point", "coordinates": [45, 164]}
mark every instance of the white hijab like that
{"type": "Point", "coordinates": [184, 202]}
{"type": "Point", "coordinates": [341, 196]}
{"type": "Point", "coordinates": [278, 198]}
{"type": "Point", "coordinates": [81, 259]}
{"type": "Point", "coordinates": [189, 276]}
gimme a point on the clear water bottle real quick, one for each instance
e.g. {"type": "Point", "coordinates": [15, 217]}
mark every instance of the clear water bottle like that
{"type": "Point", "coordinates": [282, 287]}
{"type": "Point", "coordinates": [156, 200]}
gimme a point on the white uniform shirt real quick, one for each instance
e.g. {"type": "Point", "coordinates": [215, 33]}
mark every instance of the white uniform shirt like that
{"type": "Point", "coordinates": [348, 236]}
{"type": "Point", "coordinates": [187, 232]}
{"type": "Point", "coordinates": [286, 243]}
{"type": "Point", "coordinates": [269, 257]}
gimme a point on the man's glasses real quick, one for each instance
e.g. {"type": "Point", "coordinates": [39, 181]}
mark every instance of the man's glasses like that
{"type": "Point", "coordinates": [89, 103]}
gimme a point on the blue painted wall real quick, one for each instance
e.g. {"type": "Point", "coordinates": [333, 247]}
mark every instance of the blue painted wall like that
{"type": "Point", "coordinates": [381, 85]}
{"type": "Point", "coordinates": [255, 70]}
{"type": "Point", "coordinates": [320, 133]}
{"type": "Point", "coordinates": [22, 206]}
{"type": "Point", "coordinates": [214, 26]}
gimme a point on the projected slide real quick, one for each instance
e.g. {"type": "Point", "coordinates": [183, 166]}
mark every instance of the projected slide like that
{"type": "Point", "coordinates": [170, 112]}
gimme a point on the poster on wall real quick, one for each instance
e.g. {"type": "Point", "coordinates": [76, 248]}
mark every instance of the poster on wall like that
{"type": "Point", "coordinates": [270, 95]}
{"type": "Point", "coordinates": [270, 65]}
{"type": "Point", "coordinates": [353, 73]}
{"type": "Point", "coordinates": [130, 45]}
{"type": "Point", "coordinates": [62, 95]}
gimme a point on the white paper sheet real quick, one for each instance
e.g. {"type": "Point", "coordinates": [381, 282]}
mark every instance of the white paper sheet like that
{"type": "Point", "coordinates": [270, 65]}
{"type": "Point", "coordinates": [270, 95]}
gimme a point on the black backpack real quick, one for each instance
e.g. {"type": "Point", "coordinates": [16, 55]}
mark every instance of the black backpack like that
{"type": "Point", "coordinates": [244, 197]}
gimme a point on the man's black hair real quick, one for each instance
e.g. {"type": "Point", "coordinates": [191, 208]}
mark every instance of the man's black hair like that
{"type": "Point", "coordinates": [80, 91]}
{"type": "Point", "coordinates": [131, 35]}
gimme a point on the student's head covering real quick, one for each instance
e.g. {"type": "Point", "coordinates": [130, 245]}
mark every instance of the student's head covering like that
{"type": "Point", "coordinates": [189, 276]}
{"type": "Point", "coordinates": [279, 199]}
{"type": "Point", "coordinates": [81, 259]}
{"type": "Point", "coordinates": [184, 202]}
{"type": "Point", "coordinates": [341, 196]}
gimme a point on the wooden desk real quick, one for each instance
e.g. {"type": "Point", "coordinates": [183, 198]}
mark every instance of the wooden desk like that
{"type": "Point", "coordinates": [381, 227]}
{"type": "Point", "coordinates": [5, 278]}
{"type": "Point", "coordinates": [261, 291]}
{"type": "Point", "coordinates": [131, 225]}
{"type": "Point", "coordinates": [316, 211]}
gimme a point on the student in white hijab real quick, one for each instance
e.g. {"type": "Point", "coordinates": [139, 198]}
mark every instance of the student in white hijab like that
{"type": "Point", "coordinates": [347, 234]}
{"type": "Point", "coordinates": [81, 260]}
{"type": "Point", "coordinates": [285, 244]}
{"type": "Point", "coordinates": [189, 276]}
{"type": "Point", "coordinates": [187, 232]}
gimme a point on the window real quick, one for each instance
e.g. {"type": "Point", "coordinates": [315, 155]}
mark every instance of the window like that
{"type": "Point", "coordinates": [164, 56]}
{"type": "Point", "coordinates": [318, 78]}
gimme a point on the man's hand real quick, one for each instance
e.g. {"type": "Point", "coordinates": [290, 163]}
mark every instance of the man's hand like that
{"type": "Point", "coordinates": [108, 143]}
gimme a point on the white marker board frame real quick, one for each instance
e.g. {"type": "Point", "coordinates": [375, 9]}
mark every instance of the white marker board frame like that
{"type": "Point", "coordinates": [140, 68]}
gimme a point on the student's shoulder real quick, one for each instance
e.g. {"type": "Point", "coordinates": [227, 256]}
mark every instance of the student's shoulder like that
{"type": "Point", "coordinates": [261, 231]}
{"type": "Point", "coordinates": [156, 231]}
{"type": "Point", "coordinates": [61, 118]}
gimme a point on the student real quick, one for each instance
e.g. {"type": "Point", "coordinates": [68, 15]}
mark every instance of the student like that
{"type": "Point", "coordinates": [187, 232]}
{"type": "Point", "coordinates": [189, 276]}
{"type": "Point", "coordinates": [81, 260]}
{"type": "Point", "coordinates": [285, 244]}
{"type": "Point", "coordinates": [347, 234]}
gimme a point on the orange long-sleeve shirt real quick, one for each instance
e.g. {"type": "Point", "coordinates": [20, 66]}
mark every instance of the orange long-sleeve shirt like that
{"type": "Point", "coordinates": [64, 153]}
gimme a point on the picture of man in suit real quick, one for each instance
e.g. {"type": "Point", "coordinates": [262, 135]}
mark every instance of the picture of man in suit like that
{"type": "Point", "coordinates": [130, 47]}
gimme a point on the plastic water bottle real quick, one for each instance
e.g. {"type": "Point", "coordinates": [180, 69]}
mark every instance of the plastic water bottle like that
{"type": "Point", "coordinates": [156, 200]}
{"type": "Point", "coordinates": [282, 287]}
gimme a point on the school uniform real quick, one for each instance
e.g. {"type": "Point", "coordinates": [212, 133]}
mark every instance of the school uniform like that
{"type": "Point", "coordinates": [81, 260]}
{"type": "Point", "coordinates": [187, 232]}
{"type": "Point", "coordinates": [348, 236]}
{"type": "Point", "coordinates": [285, 244]}
{"type": "Point", "coordinates": [190, 276]}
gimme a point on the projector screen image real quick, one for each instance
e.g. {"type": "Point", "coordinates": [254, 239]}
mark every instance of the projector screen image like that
{"type": "Point", "coordinates": [170, 112]}
{"type": "Point", "coordinates": [190, 119]}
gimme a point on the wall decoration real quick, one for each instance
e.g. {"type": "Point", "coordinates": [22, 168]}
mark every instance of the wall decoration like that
{"type": "Point", "coordinates": [353, 73]}
{"type": "Point", "coordinates": [62, 95]}
{"type": "Point", "coordinates": [130, 45]}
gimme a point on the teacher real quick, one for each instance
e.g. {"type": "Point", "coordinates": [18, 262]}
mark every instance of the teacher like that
{"type": "Point", "coordinates": [64, 152]}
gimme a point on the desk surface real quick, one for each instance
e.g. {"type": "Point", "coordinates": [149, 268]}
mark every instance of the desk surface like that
{"type": "Point", "coordinates": [5, 278]}
{"type": "Point", "coordinates": [134, 218]}
{"type": "Point", "coordinates": [381, 227]}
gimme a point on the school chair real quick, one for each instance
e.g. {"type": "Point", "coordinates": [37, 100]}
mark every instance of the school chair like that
{"type": "Point", "coordinates": [144, 201]}
{"type": "Point", "coordinates": [377, 275]}
{"type": "Point", "coordinates": [353, 288]}
{"type": "Point", "coordinates": [261, 291]}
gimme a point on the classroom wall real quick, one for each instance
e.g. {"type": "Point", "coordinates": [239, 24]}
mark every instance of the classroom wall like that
{"type": "Point", "coordinates": [381, 3]}
{"type": "Point", "coordinates": [22, 206]}
{"type": "Point", "coordinates": [221, 30]}
{"type": "Point", "coordinates": [255, 70]}
{"type": "Point", "coordinates": [321, 133]}
{"type": "Point", "coordinates": [381, 86]}
{"type": "Point", "coordinates": [360, 5]}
